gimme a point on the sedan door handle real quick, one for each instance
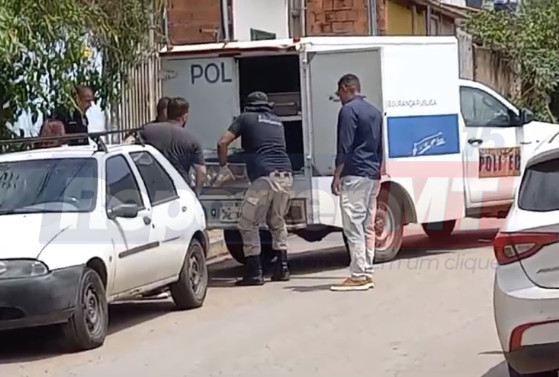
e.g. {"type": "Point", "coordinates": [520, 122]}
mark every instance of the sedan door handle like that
{"type": "Point", "coordinates": [475, 141]}
{"type": "Point", "coordinates": [147, 220]}
{"type": "Point", "coordinates": [525, 142]}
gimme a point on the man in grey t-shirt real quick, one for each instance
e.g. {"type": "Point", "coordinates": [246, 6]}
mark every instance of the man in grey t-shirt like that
{"type": "Point", "coordinates": [178, 145]}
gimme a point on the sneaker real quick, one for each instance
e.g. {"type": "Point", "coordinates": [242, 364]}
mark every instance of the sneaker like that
{"type": "Point", "coordinates": [351, 284]}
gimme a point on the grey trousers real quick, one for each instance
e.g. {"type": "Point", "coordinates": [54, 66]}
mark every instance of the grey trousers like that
{"type": "Point", "coordinates": [358, 201]}
{"type": "Point", "coordinates": [266, 200]}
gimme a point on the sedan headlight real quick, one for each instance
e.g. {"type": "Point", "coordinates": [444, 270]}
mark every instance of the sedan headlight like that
{"type": "Point", "coordinates": [22, 268]}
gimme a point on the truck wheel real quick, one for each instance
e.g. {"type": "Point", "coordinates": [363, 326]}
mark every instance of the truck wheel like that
{"type": "Point", "coordinates": [234, 243]}
{"type": "Point", "coordinates": [88, 326]}
{"type": "Point", "coordinates": [388, 228]}
{"type": "Point", "coordinates": [438, 230]}
{"type": "Point", "coordinates": [190, 290]}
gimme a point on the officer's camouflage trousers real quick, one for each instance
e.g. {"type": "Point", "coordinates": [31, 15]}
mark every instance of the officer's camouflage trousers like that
{"type": "Point", "coordinates": [266, 201]}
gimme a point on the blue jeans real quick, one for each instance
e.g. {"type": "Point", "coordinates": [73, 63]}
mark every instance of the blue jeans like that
{"type": "Point", "coordinates": [358, 201]}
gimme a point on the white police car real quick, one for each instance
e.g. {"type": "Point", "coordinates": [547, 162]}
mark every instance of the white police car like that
{"type": "Point", "coordinates": [85, 226]}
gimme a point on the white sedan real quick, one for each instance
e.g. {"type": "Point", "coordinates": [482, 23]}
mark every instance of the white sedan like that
{"type": "Point", "coordinates": [526, 289]}
{"type": "Point", "coordinates": [83, 227]}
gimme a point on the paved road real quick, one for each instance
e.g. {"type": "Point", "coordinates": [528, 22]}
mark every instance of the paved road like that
{"type": "Point", "coordinates": [429, 316]}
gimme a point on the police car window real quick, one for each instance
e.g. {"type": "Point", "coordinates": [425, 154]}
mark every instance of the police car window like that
{"type": "Point", "coordinates": [160, 186]}
{"type": "Point", "coordinates": [480, 109]}
{"type": "Point", "coordinates": [122, 187]}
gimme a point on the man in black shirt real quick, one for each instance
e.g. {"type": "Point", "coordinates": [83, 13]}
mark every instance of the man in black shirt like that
{"type": "Point", "coordinates": [357, 179]}
{"type": "Point", "coordinates": [269, 170]}
{"type": "Point", "coordinates": [75, 121]}
{"type": "Point", "coordinates": [178, 145]}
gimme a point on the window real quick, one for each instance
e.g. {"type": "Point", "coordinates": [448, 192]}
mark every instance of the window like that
{"type": "Point", "coordinates": [480, 109]}
{"type": "Point", "coordinates": [49, 185]}
{"type": "Point", "coordinates": [158, 183]}
{"type": "Point", "coordinates": [260, 35]}
{"type": "Point", "coordinates": [122, 187]}
{"type": "Point", "coordinates": [538, 190]}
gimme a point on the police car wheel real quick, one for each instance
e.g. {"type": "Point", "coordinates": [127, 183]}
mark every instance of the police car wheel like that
{"type": "Point", "coordinates": [389, 229]}
{"type": "Point", "coordinates": [88, 326]}
{"type": "Point", "coordinates": [189, 292]}
{"type": "Point", "coordinates": [234, 243]}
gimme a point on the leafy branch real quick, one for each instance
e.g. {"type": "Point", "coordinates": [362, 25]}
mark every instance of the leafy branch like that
{"type": "Point", "coordinates": [47, 47]}
{"type": "Point", "coordinates": [529, 39]}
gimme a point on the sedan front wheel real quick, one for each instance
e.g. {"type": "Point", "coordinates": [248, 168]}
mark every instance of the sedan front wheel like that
{"type": "Point", "coordinates": [190, 290]}
{"type": "Point", "coordinates": [88, 326]}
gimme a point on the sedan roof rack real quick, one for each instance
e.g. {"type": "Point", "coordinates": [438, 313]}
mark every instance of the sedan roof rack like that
{"type": "Point", "coordinates": [30, 142]}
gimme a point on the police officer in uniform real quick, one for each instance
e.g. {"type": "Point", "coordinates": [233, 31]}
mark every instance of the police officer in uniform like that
{"type": "Point", "coordinates": [270, 172]}
{"type": "Point", "coordinates": [75, 121]}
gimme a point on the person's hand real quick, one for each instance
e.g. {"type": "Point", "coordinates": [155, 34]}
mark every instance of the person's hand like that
{"type": "Point", "coordinates": [130, 140]}
{"type": "Point", "coordinates": [225, 174]}
{"type": "Point", "coordinates": [336, 186]}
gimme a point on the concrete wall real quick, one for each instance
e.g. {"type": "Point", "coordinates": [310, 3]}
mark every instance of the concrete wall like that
{"type": "Point", "coordinates": [493, 70]}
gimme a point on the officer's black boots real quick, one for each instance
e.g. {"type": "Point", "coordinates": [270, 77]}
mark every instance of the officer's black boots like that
{"type": "Point", "coordinates": [281, 271]}
{"type": "Point", "coordinates": [253, 272]}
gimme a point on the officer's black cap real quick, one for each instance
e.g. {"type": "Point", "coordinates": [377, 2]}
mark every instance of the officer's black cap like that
{"type": "Point", "coordinates": [257, 98]}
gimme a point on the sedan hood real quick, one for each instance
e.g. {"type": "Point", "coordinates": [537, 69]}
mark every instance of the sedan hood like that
{"type": "Point", "coordinates": [25, 236]}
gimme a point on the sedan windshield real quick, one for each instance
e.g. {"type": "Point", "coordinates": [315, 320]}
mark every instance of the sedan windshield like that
{"type": "Point", "coordinates": [49, 185]}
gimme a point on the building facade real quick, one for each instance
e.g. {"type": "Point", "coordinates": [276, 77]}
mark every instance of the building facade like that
{"type": "Point", "coordinates": [203, 21]}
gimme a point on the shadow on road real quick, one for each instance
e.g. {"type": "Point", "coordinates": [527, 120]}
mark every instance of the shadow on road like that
{"type": "Point", "coordinates": [313, 260]}
{"type": "Point", "coordinates": [43, 343]}
{"type": "Point", "coordinates": [497, 371]}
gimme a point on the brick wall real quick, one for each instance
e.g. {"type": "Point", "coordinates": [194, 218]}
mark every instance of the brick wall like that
{"type": "Point", "coordinates": [191, 21]}
{"type": "Point", "coordinates": [337, 17]}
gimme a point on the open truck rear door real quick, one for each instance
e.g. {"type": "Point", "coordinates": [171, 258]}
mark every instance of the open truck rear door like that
{"type": "Point", "coordinates": [323, 70]}
{"type": "Point", "coordinates": [322, 67]}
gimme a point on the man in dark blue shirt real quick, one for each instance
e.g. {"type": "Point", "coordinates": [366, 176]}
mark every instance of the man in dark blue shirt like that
{"type": "Point", "coordinates": [270, 173]}
{"type": "Point", "coordinates": [357, 179]}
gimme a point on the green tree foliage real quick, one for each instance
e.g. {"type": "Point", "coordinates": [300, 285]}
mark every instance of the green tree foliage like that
{"type": "Point", "coordinates": [529, 39]}
{"type": "Point", "coordinates": [49, 46]}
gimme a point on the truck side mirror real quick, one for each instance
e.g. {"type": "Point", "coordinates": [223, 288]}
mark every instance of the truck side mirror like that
{"type": "Point", "coordinates": [526, 116]}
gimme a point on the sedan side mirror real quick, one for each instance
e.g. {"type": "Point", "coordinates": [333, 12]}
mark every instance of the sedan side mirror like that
{"type": "Point", "coordinates": [127, 211]}
{"type": "Point", "coordinates": [526, 116]}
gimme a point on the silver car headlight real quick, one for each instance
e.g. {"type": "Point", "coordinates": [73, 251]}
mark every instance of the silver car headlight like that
{"type": "Point", "coordinates": [22, 268]}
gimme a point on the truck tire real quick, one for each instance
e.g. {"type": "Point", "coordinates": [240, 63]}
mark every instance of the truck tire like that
{"type": "Point", "coordinates": [389, 228]}
{"type": "Point", "coordinates": [189, 292]}
{"type": "Point", "coordinates": [234, 243]}
{"type": "Point", "coordinates": [87, 327]}
{"type": "Point", "coordinates": [439, 230]}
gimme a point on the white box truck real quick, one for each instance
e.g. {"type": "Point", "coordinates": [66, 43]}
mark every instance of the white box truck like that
{"type": "Point", "coordinates": [453, 148]}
